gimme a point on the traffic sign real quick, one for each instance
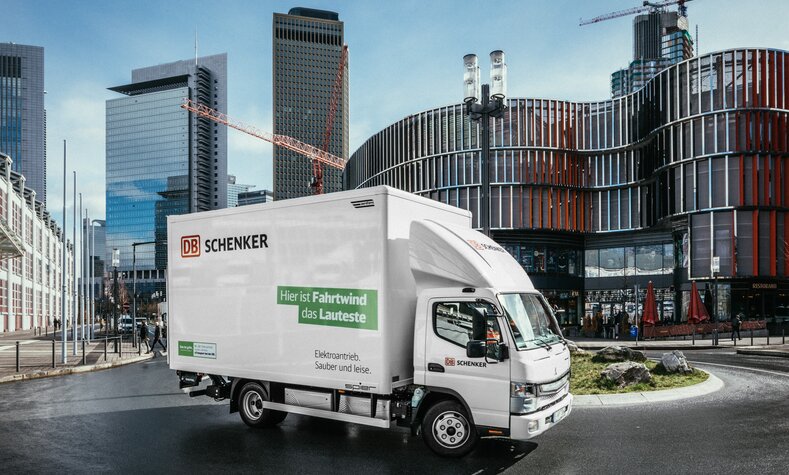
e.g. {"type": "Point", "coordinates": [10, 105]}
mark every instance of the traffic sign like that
{"type": "Point", "coordinates": [716, 264]}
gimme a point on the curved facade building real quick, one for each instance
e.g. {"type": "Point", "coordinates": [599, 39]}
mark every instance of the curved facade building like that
{"type": "Point", "coordinates": [685, 179]}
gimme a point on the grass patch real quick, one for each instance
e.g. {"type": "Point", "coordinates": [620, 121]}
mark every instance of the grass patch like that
{"type": "Point", "coordinates": [586, 379]}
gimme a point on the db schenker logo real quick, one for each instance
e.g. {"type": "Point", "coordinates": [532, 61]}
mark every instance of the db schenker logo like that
{"type": "Point", "coordinates": [190, 246]}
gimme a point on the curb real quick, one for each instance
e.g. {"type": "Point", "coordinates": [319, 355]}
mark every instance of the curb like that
{"type": "Point", "coordinates": [73, 370]}
{"type": "Point", "coordinates": [712, 384]}
{"type": "Point", "coordinates": [658, 347]}
{"type": "Point", "coordinates": [773, 353]}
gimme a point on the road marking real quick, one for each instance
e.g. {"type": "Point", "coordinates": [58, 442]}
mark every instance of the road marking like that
{"type": "Point", "coordinates": [741, 367]}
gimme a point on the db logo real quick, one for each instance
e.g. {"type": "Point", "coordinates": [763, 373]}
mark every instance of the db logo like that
{"type": "Point", "coordinates": [449, 361]}
{"type": "Point", "coordinates": [190, 246]}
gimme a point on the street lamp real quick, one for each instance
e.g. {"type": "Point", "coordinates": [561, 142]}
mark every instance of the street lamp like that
{"type": "Point", "coordinates": [134, 286]}
{"type": "Point", "coordinates": [116, 262]}
{"type": "Point", "coordinates": [480, 107]}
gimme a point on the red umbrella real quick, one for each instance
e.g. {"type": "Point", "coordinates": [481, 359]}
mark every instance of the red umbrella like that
{"type": "Point", "coordinates": [697, 312]}
{"type": "Point", "coordinates": [649, 315]}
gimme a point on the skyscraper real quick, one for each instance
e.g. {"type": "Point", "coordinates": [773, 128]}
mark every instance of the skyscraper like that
{"type": "Point", "coordinates": [307, 51]}
{"type": "Point", "coordinates": [22, 115]}
{"type": "Point", "coordinates": [161, 160]}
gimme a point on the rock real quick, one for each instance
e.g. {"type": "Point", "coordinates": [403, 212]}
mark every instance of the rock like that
{"type": "Point", "coordinates": [619, 353]}
{"type": "Point", "coordinates": [675, 362]}
{"type": "Point", "coordinates": [573, 347]}
{"type": "Point", "coordinates": [627, 373]}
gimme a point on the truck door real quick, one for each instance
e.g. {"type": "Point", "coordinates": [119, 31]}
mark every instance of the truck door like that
{"type": "Point", "coordinates": [482, 382]}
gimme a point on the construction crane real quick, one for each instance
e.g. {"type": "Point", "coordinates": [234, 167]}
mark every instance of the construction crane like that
{"type": "Point", "coordinates": [336, 91]}
{"type": "Point", "coordinates": [647, 6]}
{"type": "Point", "coordinates": [317, 155]}
{"type": "Point", "coordinates": [313, 153]}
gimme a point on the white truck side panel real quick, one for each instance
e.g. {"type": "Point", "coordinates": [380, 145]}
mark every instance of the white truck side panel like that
{"type": "Point", "coordinates": [402, 293]}
{"type": "Point", "coordinates": [250, 312]}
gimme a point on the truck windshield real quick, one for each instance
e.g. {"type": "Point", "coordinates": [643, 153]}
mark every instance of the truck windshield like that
{"type": "Point", "coordinates": [529, 320]}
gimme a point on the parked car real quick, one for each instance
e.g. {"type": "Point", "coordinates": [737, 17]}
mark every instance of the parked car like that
{"type": "Point", "coordinates": [125, 324]}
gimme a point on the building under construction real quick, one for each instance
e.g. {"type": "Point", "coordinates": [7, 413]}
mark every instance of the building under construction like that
{"type": "Point", "coordinates": [660, 39]}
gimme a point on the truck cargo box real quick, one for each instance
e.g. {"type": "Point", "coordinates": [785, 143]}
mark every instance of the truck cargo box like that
{"type": "Point", "coordinates": [313, 291]}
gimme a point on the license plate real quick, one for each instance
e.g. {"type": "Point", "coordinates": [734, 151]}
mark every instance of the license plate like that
{"type": "Point", "coordinates": [559, 415]}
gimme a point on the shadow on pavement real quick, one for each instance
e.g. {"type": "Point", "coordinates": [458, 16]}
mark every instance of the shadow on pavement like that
{"type": "Point", "coordinates": [309, 445]}
{"type": "Point", "coordinates": [206, 439]}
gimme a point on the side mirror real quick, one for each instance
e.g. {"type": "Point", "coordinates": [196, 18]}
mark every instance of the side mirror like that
{"type": "Point", "coordinates": [476, 349]}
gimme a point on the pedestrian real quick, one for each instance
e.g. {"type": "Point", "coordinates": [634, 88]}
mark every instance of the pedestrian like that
{"type": "Point", "coordinates": [736, 322]}
{"type": "Point", "coordinates": [598, 324]}
{"type": "Point", "coordinates": [157, 337]}
{"type": "Point", "coordinates": [144, 335]}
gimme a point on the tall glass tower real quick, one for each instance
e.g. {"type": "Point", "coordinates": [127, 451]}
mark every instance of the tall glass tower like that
{"type": "Point", "coordinates": [307, 51]}
{"type": "Point", "coordinates": [22, 115]}
{"type": "Point", "coordinates": [161, 160]}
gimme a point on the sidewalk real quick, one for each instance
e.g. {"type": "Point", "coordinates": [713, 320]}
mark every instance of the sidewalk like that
{"type": "Point", "coordinates": [759, 343]}
{"type": "Point", "coordinates": [35, 356]}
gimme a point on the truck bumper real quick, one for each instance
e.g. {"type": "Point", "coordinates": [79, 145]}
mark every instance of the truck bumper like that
{"type": "Point", "coordinates": [527, 426]}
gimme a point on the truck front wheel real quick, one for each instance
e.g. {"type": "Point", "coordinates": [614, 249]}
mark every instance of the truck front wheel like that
{"type": "Point", "coordinates": [250, 407]}
{"type": "Point", "coordinates": [447, 430]}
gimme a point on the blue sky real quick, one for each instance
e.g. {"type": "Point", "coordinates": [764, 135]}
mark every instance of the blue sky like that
{"type": "Point", "coordinates": [404, 57]}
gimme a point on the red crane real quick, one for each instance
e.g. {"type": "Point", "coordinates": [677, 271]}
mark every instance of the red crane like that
{"type": "Point", "coordinates": [336, 92]}
{"type": "Point", "coordinates": [317, 155]}
{"type": "Point", "coordinates": [314, 153]}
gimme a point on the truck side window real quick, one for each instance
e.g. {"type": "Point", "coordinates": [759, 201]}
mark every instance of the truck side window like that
{"type": "Point", "coordinates": [452, 322]}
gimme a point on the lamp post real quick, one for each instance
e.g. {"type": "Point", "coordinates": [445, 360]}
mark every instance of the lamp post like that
{"type": "Point", "coordinates": [74, 268]}
{"type": "Point", "coordinates": [63, 331]}
{"type": "Point", "coordinates": [134, 284]}
{"type": "Point", "coordinates": [116, 262]}
{"type": "Point", "coordinates": [481, 105]}
{"type": "Point", "coordinates": [92, 243]}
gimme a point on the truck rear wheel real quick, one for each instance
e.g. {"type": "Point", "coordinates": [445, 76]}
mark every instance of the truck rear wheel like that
{"type": "Point", "coordinates": [250, 407]}
{"type": "Point", "coordinates": [447, 430]}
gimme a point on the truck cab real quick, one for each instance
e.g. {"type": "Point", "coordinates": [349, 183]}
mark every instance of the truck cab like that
{"type": "Point", "coordinates": [489, 355]}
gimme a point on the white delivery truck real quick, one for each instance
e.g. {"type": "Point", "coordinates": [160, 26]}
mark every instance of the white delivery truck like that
{"type": "Point", "coordinates": [372, 306]}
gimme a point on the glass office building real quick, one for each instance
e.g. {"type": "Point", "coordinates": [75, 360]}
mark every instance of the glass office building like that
{"type": "Point", "coordinates": [161, 160]}
{"type": "Point", "coordinates": [22, 114]}
{"type": "Point", "coordinates": [307, 47]}
{"type": "Point", "coordinates": [685, 179]}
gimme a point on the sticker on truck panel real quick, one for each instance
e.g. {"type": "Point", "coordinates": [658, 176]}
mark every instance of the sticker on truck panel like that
{"type": "Point", "coordinates": [197, 349]}
{"type": "Point", "coordinates": [346, 308]}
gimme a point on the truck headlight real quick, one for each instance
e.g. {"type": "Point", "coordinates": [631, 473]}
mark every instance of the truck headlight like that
{"type": "Point", "coordinates": [523, 398]}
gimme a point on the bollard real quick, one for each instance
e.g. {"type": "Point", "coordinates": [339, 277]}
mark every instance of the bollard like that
{"type": "Point", "coordinates": [17, 357]}
{"type": "Point", "coordinates": [83, 351]}
{"type": "Point", "coordinates": [768, 337]}
{"type": "Point", "coordinates": [53, 353]}
{"type": "Point", "coordinates": [139, 346]}
{"type": "Point", "coordinates": [694, 337]}
{"type": "Point", "coordinates": [751, 336]}
{"type": "Point", "coordinates": [105, 347]}
{"type": "Point", "coordinates": [783, 336]}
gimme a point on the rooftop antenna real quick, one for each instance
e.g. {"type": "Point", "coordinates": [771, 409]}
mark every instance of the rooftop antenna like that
{"type": "Point", "coordinates": [697, 40]}
{"type": "Point", "coordinates": [195, 46]}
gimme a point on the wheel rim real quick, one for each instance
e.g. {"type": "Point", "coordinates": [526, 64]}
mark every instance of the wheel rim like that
{"type": "Point", "coordinates": [253, 405]}
{"type": "Point", "coordinates": [450, 429]}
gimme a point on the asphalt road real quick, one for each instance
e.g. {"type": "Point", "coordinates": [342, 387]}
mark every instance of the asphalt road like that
{"type": "Point", "coordinates": [134, 418]}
